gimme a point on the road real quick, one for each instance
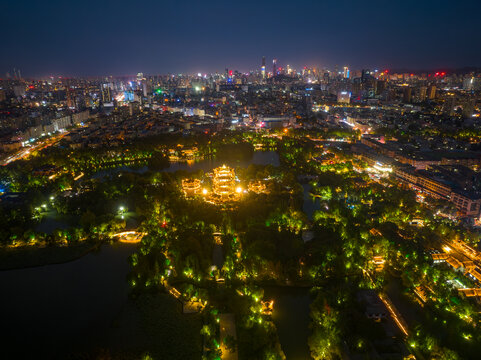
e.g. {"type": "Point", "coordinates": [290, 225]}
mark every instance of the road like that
{"type": "Point", "coordinates": [39, 145]}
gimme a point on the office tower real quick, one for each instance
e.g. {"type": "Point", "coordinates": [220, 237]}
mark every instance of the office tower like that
{"type": "Point", "coordinates": [146, 88]}
{"type": "Point", "coordinates": [380, 86]}
{"type": "Point", "coordinates": [326, 77]}
{"type": "Point", "coordinates": [19, 90]}
{"type": "Point", "coordinates": [263, 67]}
{"type": "Point", "coordinates": [70, 96]}
{"type": "Point", "coordinates": [106, 94]}
{"type": "Point", "coordinates": [365, 75]}
{"type": "Point", "coordinates": [346, 72]}
{"type": "Point", "coordinates": [344, 97]}
{"type": "Point", "coordinates": [274, 67]}
{"type": "Point", "coordinates": [423, 90]}
{"type": "Point", "coordinates": [468, 108]}
{"type": "Point", "coordinates": [431, 92]}
{"type": "Point", "coordinates": [407, 94]}
{"type": "Point", "coordinates": [448, 106]}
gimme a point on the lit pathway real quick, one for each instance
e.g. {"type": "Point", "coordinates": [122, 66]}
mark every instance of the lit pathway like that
{"type": "Point", "coordinates": [397, 317]}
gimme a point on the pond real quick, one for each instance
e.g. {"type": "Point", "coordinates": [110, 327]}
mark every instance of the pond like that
{"type": "Point", "coordinates": [54, 309]}
{"type": "Point", "coordinates": [259, 158]}
{"type": "Point", "coordinates": [310, 203]}
{"type": "Point", "coordinates": [291, 317]}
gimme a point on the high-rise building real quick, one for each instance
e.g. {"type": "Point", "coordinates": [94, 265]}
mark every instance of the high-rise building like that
{"type": "Point", "coordinates": [106, 94]}
{"type": "Point", "coordinates": [365, 75]}
{"type": "Point", "coordinates": [346, 72]}
{"type": "Point", "coordinates": [468, 108]}
{"type": "Point", "coordinates": [326, 77]}
{"type": "Point", "coordinates": [289, 70]}
{"type": "Point", "coordinates": [263, 67]}
{"type": "Point", "coordinates": [19, 90]}
{"type": "Point", "coordinates": [431, 92]}
{"type": "Point", "coordinates": [274, 67]}
{"type": "Point", "coordinates": [407, 94]}
{"type": "Point", "coordinates": [380, 86]}
{"type": "Point", "coordinates": [448, 106]}
{"type": "Point", "coordinates": [423, 90]}
{"type": "Point", "coordinates": [344, 97]}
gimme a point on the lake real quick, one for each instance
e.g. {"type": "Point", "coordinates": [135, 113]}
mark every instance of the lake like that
{"type": "Point", "coordinates": [52, 309]}
{"type": "Point", "coordinates": [291, 316]}
{"type": "Point", "coordinates": [259, 158]}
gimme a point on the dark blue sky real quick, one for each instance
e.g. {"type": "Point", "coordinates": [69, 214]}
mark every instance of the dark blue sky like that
{"type": "Point", "coordinates": [128, 36]}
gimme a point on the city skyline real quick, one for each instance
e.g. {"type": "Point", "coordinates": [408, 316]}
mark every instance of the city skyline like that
{"type": "Point", "coordinates": [111, 39]}
{"type": "Point", "coordinates": [227, 180]}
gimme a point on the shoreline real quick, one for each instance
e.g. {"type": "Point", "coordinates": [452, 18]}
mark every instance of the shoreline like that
{"type": "Point", "coordinates": [30, 256]}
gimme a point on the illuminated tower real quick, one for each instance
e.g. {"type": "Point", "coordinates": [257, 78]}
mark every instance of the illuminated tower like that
{"type": "Point", "coordinates": [224, 182]}
{"type": "Point", "coordinates": [263, 67]}
{"type": "Point", "coordinates": [346, 72]}
{"type": "Point", "coordinates": [274, 67]}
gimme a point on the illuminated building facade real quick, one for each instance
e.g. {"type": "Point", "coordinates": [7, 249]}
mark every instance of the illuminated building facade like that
{"type": "Point", "coordinates": [263, 67]}
{"type": "Point", "coordinates": [257, 187]}
{"type": "Point", "coordinates": [344, 97]}
{"type": "Point", "coordinates": [191, 187]}
{"type": "Point", "coordinates": [223, 182]}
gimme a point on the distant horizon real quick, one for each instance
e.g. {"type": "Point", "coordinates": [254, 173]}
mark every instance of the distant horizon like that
{"type": "Point", "coordinates": [90, 38]}
{"type": "Point", "coordinates": [448, 71]}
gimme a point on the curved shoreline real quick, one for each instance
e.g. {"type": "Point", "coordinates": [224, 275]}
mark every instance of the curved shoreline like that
{"type": "Point", "coordinates": [30, 257]}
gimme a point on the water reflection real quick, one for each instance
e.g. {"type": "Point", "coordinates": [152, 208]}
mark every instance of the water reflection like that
{"type": "Point", "coordinates": [207, 164]}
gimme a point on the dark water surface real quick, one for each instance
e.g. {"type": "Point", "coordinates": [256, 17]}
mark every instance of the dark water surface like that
{"type": "Point", "coordinates": [53, 309]}
{"type": "Point", "coordinates": [291, 316]}
{"type": "Point", "coordinates": [259, 158]}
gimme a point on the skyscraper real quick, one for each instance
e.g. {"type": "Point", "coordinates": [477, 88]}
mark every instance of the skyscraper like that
{"type": "Point", "coordinates": [423, 90]}
{"type": "Point", "coordinates": [326, 77]}
{"type": "Point", "coordinates": [263, 67]}
{"type": "Point", "coordinates": [431, 92]}
{"type": "Point", "coordinates": [274, 67]}
{"type": "Point", "coordinates": [346, 72]}
{"type": "Point", "coordinates": [106, 94]}
{"type": "Point", "coordinates": [407, 94]}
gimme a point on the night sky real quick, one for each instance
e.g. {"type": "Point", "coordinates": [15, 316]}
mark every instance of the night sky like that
{"type": "Point", "coordinates": [126, 36]}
